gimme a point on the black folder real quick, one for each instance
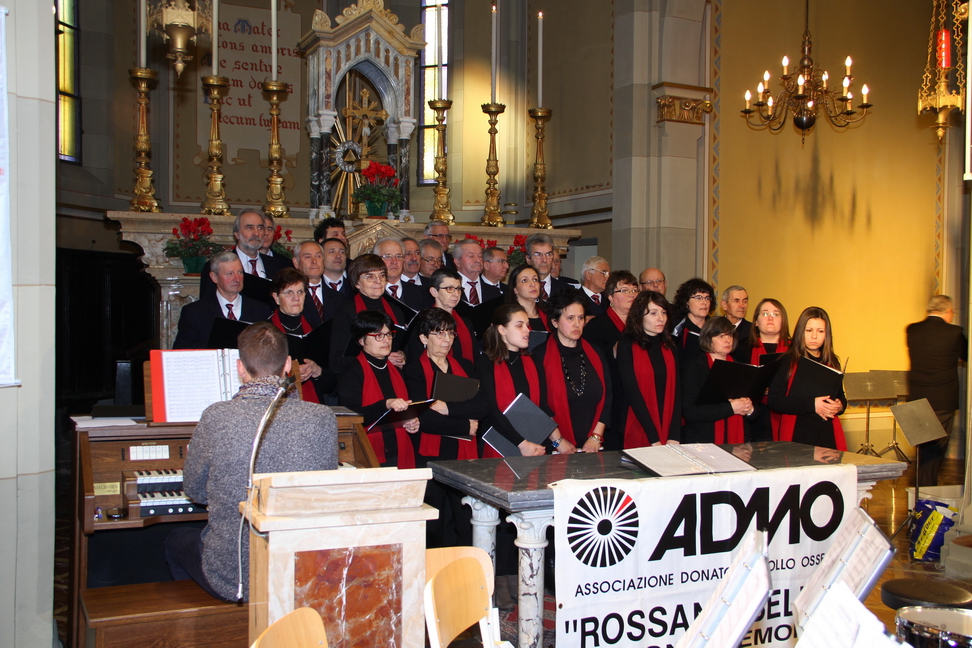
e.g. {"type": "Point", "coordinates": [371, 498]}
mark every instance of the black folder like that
{"type": "Point", "coordinates": [537, 338]}
{"type": "Point", "coordinates": [391, 418]}
{"type": "Point", "coordinates": [224, 333]}
{"type": "Point", "coordinates": [500, 443]}
{"type": "Point", "coordinates": [813, 379]}
{"type": "Point", "coordinates": [727, 380]}
{"type": "Point", "coordinates": [531, 422]}
{"type": "Point", "coordinates": [451, 388]}
{"type": "Point", "coordinates": [480, 316]}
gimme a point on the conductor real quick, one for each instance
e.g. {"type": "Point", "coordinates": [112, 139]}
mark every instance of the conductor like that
{"type": "Point", "coordinates": [935, 346]}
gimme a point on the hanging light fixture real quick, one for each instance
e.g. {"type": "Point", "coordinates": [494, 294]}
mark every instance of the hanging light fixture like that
{"type": "Point", "coordinates": [805, 95]}
{"type": "Point", "coordinates": [943, 84]}
{"type": "Point", "coordinates": [179, 23]}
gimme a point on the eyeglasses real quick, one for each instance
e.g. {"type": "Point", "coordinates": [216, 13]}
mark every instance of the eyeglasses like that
{"type": "Point", "coordinates": [294, 293]}
{"type": "Point", "coordinates": [445, 335]}
{"type": "Point", "coordinates": [452, 290]}
{"type": "Point", "coordinates": [432, 260]}
{"type": "Point", "coordinates": [380, 337]}
{"type": "Point", "coordinates": [703, 298]}
{"type": "Point", "coordinates": [603, 273]}
{"type": "Point", "coordinates": [542, 255]}
{"type": "Point", "coordinates": [771, 314]}
{"type": "Point", "coordinates": [653, 282]}
{"type": "Point", "coordinates": [388, 257]}
{"type": "Point", "coordinates": [627, 291]}
{"type": "Point", "coordinates": [374, 277]}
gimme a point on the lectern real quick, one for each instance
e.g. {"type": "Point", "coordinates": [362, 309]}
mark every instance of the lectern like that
{"type": "Point", "coordinates": [348, 543]}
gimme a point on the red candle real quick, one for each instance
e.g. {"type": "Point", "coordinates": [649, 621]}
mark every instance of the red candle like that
{"type": "Point", "coordinates": [943, 52]}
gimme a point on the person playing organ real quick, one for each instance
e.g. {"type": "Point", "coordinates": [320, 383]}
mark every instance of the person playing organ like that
{"type": "Point", "coordinates": [814, 422]}
{"type": "Point", "coordinates": [693, 305]}
{"type": "Point", "coordinates": [577, 377]}
{"type": "Point", "coordinates": [505, 370]}
{"type": "Point", "coordinates": [372, 385]}
{"type": "Point", "coordinates": [649, 369]}
{"type": "Point", "coordinates": [289, 291]}
{"type": "Point", "coordinates": [524, 290]}
{"type": "Point", "coordinates": [725, 422]}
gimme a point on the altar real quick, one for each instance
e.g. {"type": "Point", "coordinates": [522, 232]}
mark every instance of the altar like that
{"type": "Point", "coordinates": [520, 486]}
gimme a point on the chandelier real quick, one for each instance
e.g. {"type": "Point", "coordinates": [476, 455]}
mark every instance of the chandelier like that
{"type": "Point", "coordinates": [943, 85]}
{"type": "Point", "coordinates": [805, 95]}
{"type": "Point", "coordinates": [179, 23]}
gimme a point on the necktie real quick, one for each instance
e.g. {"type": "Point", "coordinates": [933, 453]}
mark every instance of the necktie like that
{"type": "Point", "coordinates": [229, 312]}
{"type": "Point", "coordinates": [253, 269]}
{"type": "Point", "coordinates": [317, 301]}
{"type": "Point", "coordinates": [596, 298]}
{"type": "Point", "coordinates": [394, 291]}
{"type": "Point", "coordinates": [473, 295]}
{"type": "Point", "coordinates": [333, 285]}
{"type": "Point", "coordinates": [543, 292]}
{"type": "Point", "coordinates": [411, 281]}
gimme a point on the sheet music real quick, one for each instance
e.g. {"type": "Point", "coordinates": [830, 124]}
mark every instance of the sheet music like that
{"type": "Point", "coordinates": [192, 383]}
{"type": "Point", "coordinates": [842, 620]}
{"type": "Point", "coordinates": [687, 459]}
{"type": "Point", "coordinates": [231, 377]}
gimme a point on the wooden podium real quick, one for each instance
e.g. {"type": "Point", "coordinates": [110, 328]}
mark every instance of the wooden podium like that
{"type": "Point", "coordinates": [350, 544]}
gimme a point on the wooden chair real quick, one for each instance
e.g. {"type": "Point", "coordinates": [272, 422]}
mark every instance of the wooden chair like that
{"type": "Point", "coordinates": [302, 628]}
{"type": "Point", "coordinates": [456, 598]}
{"type": "Point", "coordinates": [436, 559]}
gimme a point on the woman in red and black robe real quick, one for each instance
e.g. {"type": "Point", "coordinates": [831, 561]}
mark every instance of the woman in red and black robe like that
{"type": "Point", "coordinates": [649, 369]}
{"type": "Point", "coordinates": [289, 290]}
{"type": "Point", "coordinates": [576, 375]}
{"type": "Point", "coordinates": [524, 289]}
{"type": "Point", "coordinates": [372, 385]}
{"type": "Point", "coordinates": [812, 419]}
{"type": "Point", "coordinates": [725, 422]}
{"type": "Point", "coordinates": [445, 285]}
{"type": "Point", "coordinates": [694, 301]}
{"type": "Point", "coordinates": [770, 334]}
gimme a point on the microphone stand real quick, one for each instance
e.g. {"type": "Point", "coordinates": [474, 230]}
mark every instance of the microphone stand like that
{"type": "Point", "coordinates": [284, 386]}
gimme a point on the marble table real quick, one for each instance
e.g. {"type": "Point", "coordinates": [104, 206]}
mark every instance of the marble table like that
{"type": "Point", "coordinates": [521, 487]}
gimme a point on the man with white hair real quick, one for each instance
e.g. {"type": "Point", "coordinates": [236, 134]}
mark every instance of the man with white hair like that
{"type": "Point", "coordinates": [392, 253]}
{"type": "Point", "coordinates": [594, 275]}
{"type": "Point", "coordinates": [735, 303]}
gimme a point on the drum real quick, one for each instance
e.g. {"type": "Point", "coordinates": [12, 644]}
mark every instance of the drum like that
{"type": "Point", "coordinates": [927, 627]}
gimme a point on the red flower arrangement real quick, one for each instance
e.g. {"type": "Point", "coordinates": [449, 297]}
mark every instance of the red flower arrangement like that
{"type": "Point", "coordinates": [192, 239]}
{"type": "Point", "coordinates": [380, 185]}
{"type": "Point", "coordinates": [278, 247]}
{"type": "Point", "coordinates": [516, 254]}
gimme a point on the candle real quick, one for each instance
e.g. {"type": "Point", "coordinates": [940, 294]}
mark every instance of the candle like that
{"type": "Point", "coordinates": [850, 95]}
{"type": "Point", "coordinates": [800, 82]}
{"type": "Point", "coordinates": [495, 47]}
{"type": "Point", "coordinates": [824, 79]}
{"type": "Point", "coordinates": [540, 59]}
{"type": "Point", "coordinates": [769, 104]}
{"type": "Point", "coordinates": [215, 37]}
{"type": "Point", "coordinates": [142, 32]}
{"type": "Point", "coordinates": [846, 84]}
{"type": "Point", "coordinates": [847, 66]}
{"type": "Point", "coordinates": [766, 78]}
{"type": "Point", "coordinates": [943, 52]}
{"type": "Point", "coordinates": [438, 31]}
{"type": "Point", "coordinates": [786, 63]}
{"type": "Point", "coordinates": [273, 37]}
{"type": "Point", "coordinates": [759, 91]}
{"type": "Point", "coordinates": [748, 96]}
{"type": "Point", "coordinates": [864, 92]}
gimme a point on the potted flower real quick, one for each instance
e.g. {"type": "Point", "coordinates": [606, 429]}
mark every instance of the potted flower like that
{"type": "Point", "coordinates": [516, 254]}
{"type": "Point", "coordinates": [192, 244]}
{"type": "Point", "coordinates": [379, 192]}
{"type": "Point", "coordinates": [277, 247]}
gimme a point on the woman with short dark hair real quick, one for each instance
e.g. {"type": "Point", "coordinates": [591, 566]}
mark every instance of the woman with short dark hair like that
{"type": "Point", "coordinates": [445, 285]}
{"type": "Point", "coordinates": [694, 301]}
{"type": "Point", "coordinates": [289, 291]}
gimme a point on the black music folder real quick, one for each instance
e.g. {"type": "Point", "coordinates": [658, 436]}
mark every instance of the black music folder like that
{"type": "Point", "coordinates": [500, 443]}
{"type": "Point", "coordinates": [813, 379]}
{"type": "Point", "coordinates": [451, 388]}
{"type": "Point", "coordinates": [537, 338]}
{"type": "Point", "coordinates": [390, 418]}
{"type": "Point", "coordinates": [480, 316]}
{"type": "Point", "coordinates": [314, 345]}
{"type": "Point", "coordinates": [727, 380]}
{"type": "Point", "coordinates": [531, 422]}
{"type": "Point", "coordinates": [225, 331]}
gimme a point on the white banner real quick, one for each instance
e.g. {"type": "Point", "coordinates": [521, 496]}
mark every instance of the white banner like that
{"type": "Point", "coordinates": [636, 559]}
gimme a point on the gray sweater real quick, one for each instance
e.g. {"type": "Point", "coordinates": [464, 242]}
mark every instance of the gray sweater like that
{"type": "Point", "coordinates": [300, 436]}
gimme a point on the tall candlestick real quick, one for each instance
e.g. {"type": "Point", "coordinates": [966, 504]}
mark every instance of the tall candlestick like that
{"type": "Point", "coordinates": [215, 37]}
{"type": "Point", "coordinates": [492, 86]}
{"type": "Point", "coordinates": [273, 36]}
{"type": "Point", "coordinates": [142, 32]}
{"type": "Point", "coordinates": [540, 59]}
{"type": "Point", "coordinates": [438, 31]}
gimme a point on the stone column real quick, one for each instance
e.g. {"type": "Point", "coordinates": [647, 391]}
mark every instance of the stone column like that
{"type": "Point", "coordinates": [531, 538]}
{"type": "Point", "coordinates": [314, 132]}
{"type": "Point", "coordinates": [485, 519]}
{"type": "Point", "coordinates": [326, 123]}
{"type": "Point", "coordinates": [405, 128]}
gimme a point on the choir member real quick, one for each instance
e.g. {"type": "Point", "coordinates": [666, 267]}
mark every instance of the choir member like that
{"type": "Point", "coordinates": [372, 385]}
{"type": "Point", "coordinates": [524, 289]}
{"type": "Point", "coordinates": [815, 421]}
{"type": "Point", "coordinates": [505, 370]}
{"type": "Point", "coordinates": [770, 333]}
{"type": "Point", "coordinates": [603, 332]}
{"type": "Point", "coordinates": [724, 422]}
{"type": "Point", "coordinates": [576, 375]}
{"type": "Point", "coordinates": [445, 285]}
{"type": "Point", "coordinates": [649, 369]}
{"type": "Point", "coordinates": [444, 424]}
{"type": "Point", "coordinates": [693, 304]}
{"type": "Point", "coordinates": [289, 291]}
{"type": "Point", "coordinates": [367, 273]}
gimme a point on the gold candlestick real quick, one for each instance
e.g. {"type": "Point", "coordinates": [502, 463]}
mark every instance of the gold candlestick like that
{"type": "Point", "coordinates": [215, 203]}
{"type": "Point", "coordinates": [492, 216]}
{"type": "Point", "coordinates": [538, 216]}
{"type": "Point", "coordinates": [144, 199]}
{"type": "Point", "coordinates": [275, 206]}
{"type": "Point", "coordinates": [442, 208]}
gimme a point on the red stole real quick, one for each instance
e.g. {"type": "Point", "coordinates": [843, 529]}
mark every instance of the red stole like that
{"type": "Point", "coordinates": [430, 444]}
{"type": "Point", "coordinates": [371, 393]}
{"type": "Point", "coordinates": [307, 391]}
{"type": "Point", "coordinates": [758, 350]}
{"type": "Point", "coordinates": [616, 319]}
{"type": "Point", "coordinates": [465, 339]}
{"type": "Point", "coordinates": [359, 306]}
{"type": "Point", "coordinates": [736, 431]}
{"type": "Point", "coordinates": [788, 423]}
{"type": "Point", "coordinates": [557, 387]}
{"type": "Point", "coordinates": [635, 435]}
{"type": "Point", "coordinates": [506, 392]}
{"type": "Point", "coordinates": [543, 318]}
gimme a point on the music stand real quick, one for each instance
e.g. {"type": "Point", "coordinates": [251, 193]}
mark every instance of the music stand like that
{"type": "Point", "coordinates": [900, 379]}
{"type": "Point", "coordinates": [869, 386]}
{"type": "Point", "coordinates": [920, 424]}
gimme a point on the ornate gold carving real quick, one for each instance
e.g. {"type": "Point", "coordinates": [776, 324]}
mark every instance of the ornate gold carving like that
{"type": "Point", "coordinates": [320, 22]}
{"type": "Point", "coordinates": [215, 202]}
{"type": "Point", "coordinates": [442, 208]}
{"type": "Point", "coordinates": [378, 6]}
{"type": "Point", "coordinates": [539, 217]}
{"type": "Point", "coordinates": [144, 199]}
{"type": "Point", "coordinates": [491, 213]}
{"type": "Point", "coordinates": [276, 206]}
{"type": "Point", "coordinates": [417, 33]}
{"type": "Point", "coordinates": [682, 109]}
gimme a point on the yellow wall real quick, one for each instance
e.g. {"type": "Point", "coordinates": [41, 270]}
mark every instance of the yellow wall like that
{"type": "Point", "coordinates": [845, 221]}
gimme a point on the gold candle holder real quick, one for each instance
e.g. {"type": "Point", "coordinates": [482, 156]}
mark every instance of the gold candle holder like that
{"type": "Point", "coordinates": [144, 199]}
{"type": "Point", "coordinates": [276, 91]}
{"type": "Point", "coordinates": [442, 208]}
{"type": "Point", "coordinates": [538, 216]}
{"type": "Point", "coordinates": [492, 216]}
{"type": "Point", "coordinates": [215, 203]}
